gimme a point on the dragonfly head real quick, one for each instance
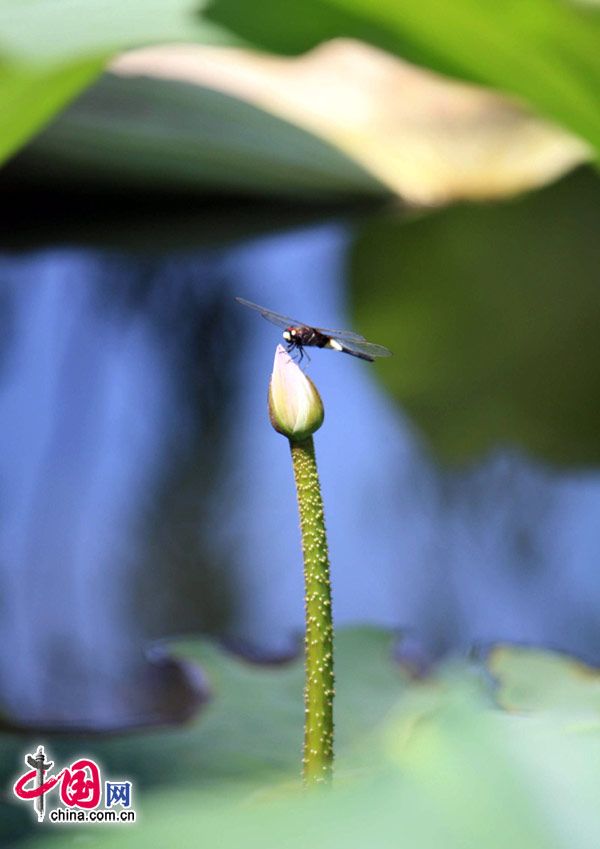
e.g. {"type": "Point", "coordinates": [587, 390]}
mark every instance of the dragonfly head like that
{"type": "Point", "coordinates": [289, 334]}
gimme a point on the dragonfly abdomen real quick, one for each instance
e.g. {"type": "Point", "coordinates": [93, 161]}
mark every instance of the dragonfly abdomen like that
{"type": "Point", "coordinates": [337, 346]}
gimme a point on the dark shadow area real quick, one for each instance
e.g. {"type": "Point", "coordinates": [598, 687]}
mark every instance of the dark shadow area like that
{"type": "Point", "coordinates": [148, 222]}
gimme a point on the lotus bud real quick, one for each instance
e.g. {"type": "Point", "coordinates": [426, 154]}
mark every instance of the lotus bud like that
{"type": "Point", "coordinates": [295, 406]}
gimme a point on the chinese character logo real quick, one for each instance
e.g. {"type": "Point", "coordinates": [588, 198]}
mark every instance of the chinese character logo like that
{"type": "Point", "coordinates": [118, 792]}
{"type": "Point", "coordinates": [39, 767]}
{"type": "Point", "coordinates": [80, 787]}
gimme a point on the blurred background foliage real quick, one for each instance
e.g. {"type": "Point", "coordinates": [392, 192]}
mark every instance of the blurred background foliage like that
{"type": "Point", "coordinates": [433, 760]}
{"type": "Point", "coordinates": [542, 51]}
{"type": "Point", "coordinates": [422, 172]}
{"type": "Point", "coordinates": [496, 337]}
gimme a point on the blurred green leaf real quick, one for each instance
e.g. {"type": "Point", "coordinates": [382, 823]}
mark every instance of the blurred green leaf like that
{"type": "Point", "coordinates": [193, 117]}
{"type": "Point", "coordinates": [543, 51]}
{"type": "Point", "coordinates": [29, 97]}
{"type": "Point", "coordinates": [50, 50]}
{"type": "Point", "coordinates": [252, 730]}
{"type": "Point", "coordinates": [249, 734]}
{"type": "Point", "coordinates": [493, 314]}
{"type": "Point", "coordinates": [445, 769]}
{"type": "Point", "coordinates": [535, 680]}
{"type": "Point", "coordinates": [141, 133]}
{"type": "Point", "coordinates": [85, 28]}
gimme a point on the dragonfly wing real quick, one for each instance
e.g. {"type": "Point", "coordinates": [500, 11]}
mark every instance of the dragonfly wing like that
{"type": "Point", "coordinates": [369, 349]}
{"type": "Point", "coordinates": [282, 321]}
{"type": "Point", "coordinates": [348, 335]}
{"type": "Point", "coordinates": [352, 342]}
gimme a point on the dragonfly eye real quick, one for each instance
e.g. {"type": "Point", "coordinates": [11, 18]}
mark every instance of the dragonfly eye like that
{"type": "Point", "coordinates": [286, 335]}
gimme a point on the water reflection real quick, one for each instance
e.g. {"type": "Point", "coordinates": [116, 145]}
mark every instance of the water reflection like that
{"type": "Point", "coordinates": [144, 492]}
{"type": "Point", "coordinates": [102, 417]}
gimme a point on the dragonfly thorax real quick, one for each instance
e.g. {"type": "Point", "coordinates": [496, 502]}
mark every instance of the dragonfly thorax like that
{"type": "Point", "coordinates": [298, 337]}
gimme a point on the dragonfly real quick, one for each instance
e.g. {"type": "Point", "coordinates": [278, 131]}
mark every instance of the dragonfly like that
{"type": "Point", "coordinates": [298, 336]}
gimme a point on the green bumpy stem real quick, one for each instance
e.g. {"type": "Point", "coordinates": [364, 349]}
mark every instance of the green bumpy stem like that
{"type": "Point", "coordinates": [319, 681]}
